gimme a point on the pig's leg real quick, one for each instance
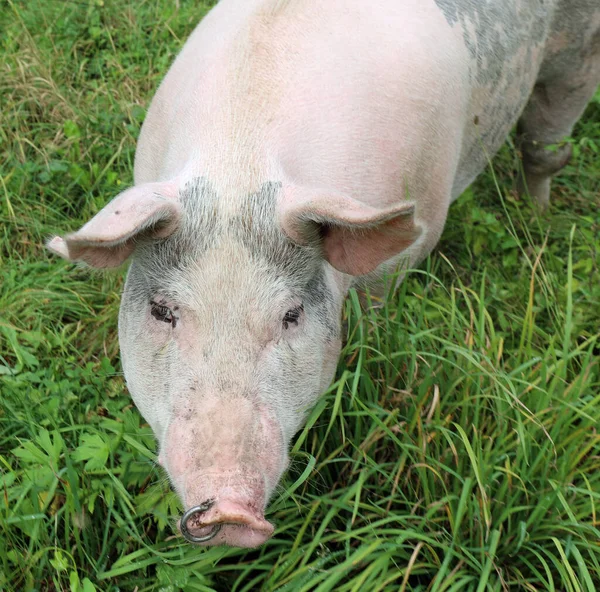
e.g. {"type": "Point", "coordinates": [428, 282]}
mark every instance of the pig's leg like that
{"type": "Point", "coordinates": [553, 109]}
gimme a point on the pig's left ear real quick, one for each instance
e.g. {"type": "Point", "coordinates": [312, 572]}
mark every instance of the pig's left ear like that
{"type": "Point", "coordinates": [151, 210]}
{"type": "Point", "coordinates": [355, 237]}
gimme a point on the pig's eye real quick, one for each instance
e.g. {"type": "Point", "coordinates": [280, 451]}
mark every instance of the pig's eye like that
{"type": "Point", "coordinates": [291, 317]}
{"type": "Point", "coordinates": [162, 313]}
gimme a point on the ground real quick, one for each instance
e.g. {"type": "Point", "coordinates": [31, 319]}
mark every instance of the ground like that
{"type": "Point", "coordinates": [458, 448]}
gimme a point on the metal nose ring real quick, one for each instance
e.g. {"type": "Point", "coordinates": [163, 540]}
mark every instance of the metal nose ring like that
{"type": "Point", "coordinates": [192, 513]}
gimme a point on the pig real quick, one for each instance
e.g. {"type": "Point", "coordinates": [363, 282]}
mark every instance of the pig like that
{"type": "Point", "coordinates": [293, 150]}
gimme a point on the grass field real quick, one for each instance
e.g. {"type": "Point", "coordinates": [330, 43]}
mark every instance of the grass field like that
{"type": "Point", "coordinates": [458, 449]}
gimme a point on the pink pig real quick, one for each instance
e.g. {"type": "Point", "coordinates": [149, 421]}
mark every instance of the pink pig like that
{"type": "Point", "coordinates": [293, 148]}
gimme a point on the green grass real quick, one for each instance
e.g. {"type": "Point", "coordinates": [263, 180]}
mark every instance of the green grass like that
{"type": "Point", "coordinates": [458, 449]}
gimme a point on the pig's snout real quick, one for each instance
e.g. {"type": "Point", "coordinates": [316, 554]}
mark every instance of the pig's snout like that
{"type": "Point", "coordinates": [224, 456]}
{"type": "Point", "coordinates": [225, 522]}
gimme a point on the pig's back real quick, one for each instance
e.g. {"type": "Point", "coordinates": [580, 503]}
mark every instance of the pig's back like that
{"type": "Point", "coordinates": [408, 99]}
{"type": "Point", "coordinates": [346, 98]}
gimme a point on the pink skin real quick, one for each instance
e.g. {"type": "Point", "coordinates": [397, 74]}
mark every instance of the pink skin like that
{"type": "Point", "coordinates": [357, 237]}
{"type": "Point", "coordinates": [108, 238]}
{"type": "Point", "coordinates": [239, 436]}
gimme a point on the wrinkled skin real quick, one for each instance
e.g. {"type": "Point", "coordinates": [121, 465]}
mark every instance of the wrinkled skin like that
{"type": "Point", "coordinates": [288, 153]}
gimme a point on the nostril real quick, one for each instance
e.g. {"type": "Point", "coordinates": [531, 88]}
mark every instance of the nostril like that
{"type": "Point", "coordinates": [193, 519]}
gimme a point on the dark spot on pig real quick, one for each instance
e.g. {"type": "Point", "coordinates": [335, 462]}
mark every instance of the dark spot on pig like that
{"type": "Point", "coordinates": [205, 226]}
{"type": "Point", "coordinates": [320, 303]}
{"type": "Point", "coordinates": [256, 228]}
{"type": "Point", "coordinates": [225, 385]}
{"type": "Point", "coordinates": [253, 226]}
{"type": "Point", "coordinates": [493, 32]}
{"type": "Point", "coordinates": [117, 212]}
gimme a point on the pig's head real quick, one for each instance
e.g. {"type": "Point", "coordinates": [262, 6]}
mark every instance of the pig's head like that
{"type": "Point", "coordinates": [230, 327]}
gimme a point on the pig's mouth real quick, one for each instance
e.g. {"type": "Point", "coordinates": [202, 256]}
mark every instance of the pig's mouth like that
{"type": "Point", "coordinates": [225, 522]}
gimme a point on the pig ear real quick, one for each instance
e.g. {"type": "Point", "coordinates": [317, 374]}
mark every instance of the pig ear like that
{"type": "Point", "coordinates": [149, 210]}
{"type": "Point", "coordinates": [355, 237]}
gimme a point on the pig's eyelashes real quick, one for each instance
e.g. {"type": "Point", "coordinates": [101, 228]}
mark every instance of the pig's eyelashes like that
{"type": "Point", "coordinates": [292, 316]}
{"type": "Point", "coordinates": [162, 313]}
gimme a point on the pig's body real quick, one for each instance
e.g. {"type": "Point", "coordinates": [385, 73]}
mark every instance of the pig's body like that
{"type": "Point", "coordinates": [380, 104]}
{"type": "Point", "coordinates": [292, 147]}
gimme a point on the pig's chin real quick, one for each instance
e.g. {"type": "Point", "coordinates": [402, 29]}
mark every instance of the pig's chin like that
{"type": "Point", "coordinates": [236, 525]}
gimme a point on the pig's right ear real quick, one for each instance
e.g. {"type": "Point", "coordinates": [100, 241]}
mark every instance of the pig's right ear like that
{"type": "Point", "coordinates": [151, 210]}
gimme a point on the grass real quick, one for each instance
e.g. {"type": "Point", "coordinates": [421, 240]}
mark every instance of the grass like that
{"type": "Point", "coordinates": [458, 449]}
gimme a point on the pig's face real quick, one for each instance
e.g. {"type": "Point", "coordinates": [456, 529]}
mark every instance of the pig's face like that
{"type": "Point", "coordinates": [229, 327]}
{"type": "Point", "coordinates": [229, 333]}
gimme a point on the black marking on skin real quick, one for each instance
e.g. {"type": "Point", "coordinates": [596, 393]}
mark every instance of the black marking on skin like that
{"type": "Point", "coordinates": [319, 301]}
{"type": "Point", "coordinates": [205, 226]}
{"type": "Point", "coordinates": [505, 40]}
{"type": "Point", "coordinates": [255, 229]}
{"type": "Point", "coordinates": [574, 24]}
{"type": "Point", "coordinates": [494, 31]}
{"type": "Point", "coordinates": [225, 385]}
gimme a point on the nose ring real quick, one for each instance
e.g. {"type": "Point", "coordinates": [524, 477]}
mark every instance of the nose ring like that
{"type": "Point", "coordinates": [192, 513]}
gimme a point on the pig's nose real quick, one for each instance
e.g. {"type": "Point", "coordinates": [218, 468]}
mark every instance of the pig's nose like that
{"type": "Point", "coordinates": [236, 523]}
{"type": "Point", "coordinates": [194, 516]}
